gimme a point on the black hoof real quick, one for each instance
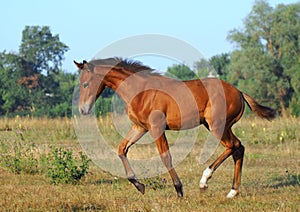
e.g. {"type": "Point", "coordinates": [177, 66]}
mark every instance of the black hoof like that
{"type": "Point", "coordinates": [179, 190]}
{"type": "Point", "coordinates": [140, 186]}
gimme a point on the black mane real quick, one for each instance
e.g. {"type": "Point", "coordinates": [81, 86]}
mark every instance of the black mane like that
{"type": "Point", "coordinates": [132, 65]}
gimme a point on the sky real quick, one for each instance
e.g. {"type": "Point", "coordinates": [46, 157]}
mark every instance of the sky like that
{"type": "Point", "coordinates": [88, 27]}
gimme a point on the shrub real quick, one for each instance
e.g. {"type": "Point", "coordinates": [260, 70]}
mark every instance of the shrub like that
{"type": "Point", "coordinates": [65, 168]}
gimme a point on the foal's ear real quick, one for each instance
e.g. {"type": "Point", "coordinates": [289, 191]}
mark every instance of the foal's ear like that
{"type": "Point", "coordinates": [84, 66]}
{"type": "Point", "coordinates": [79, 65]}
{"type": "Point", "coordinates": [88, 66]}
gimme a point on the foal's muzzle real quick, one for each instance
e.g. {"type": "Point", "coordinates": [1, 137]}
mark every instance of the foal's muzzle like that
{"type": "Point", "coordinates": [85, 109]}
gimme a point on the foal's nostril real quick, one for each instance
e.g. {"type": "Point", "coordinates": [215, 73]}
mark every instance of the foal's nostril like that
{"type": "Point", "coordinates": [84, 109]}
{"type": "Point", "coordinates": [81, 111]}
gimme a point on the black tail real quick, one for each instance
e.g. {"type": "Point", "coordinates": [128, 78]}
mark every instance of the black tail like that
{"type": "Point", "coordinates": [259, 110]}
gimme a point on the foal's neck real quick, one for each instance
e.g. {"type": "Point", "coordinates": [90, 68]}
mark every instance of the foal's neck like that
{"type": "Point", "coordinates": [125, 83]}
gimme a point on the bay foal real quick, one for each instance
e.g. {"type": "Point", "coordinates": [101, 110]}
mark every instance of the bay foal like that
{"type": "Point", "coordinates": [155, 103]}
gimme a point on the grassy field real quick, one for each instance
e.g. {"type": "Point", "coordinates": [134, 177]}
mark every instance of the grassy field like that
{"type": "Point", "coordinates": [270, 182]}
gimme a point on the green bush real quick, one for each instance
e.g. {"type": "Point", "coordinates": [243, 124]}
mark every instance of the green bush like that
{"type": "Point", "coordinates": [63, 167]}
{"type": "Point", "coordinates": [18, 157]}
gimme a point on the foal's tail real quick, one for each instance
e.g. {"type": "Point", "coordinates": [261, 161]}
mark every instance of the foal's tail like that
{"type": "Point", "coordinates": [259, 110]}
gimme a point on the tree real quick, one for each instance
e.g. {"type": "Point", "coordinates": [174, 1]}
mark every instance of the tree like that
{"type": "Point", "coordinates": [32, 80]}
{"type": "Point", "coordinates": [62, 95]}
{"type": "Point", "coordinates": [266, 62]}
{"type": "Point", "coordinates": [203, 68]}
{"type": "Point", "coordinates": [181, 72]}
{"type": "Point", "coordinates": [42, 54]}
{"type": "Point", "coordinates": [207, 68]}
{"type": "Point", "coordinates": [13, 97]}
{"type": "Point", "coordinates": [42, 51]}
{"type": "Point", "coordinates": [220, 64]}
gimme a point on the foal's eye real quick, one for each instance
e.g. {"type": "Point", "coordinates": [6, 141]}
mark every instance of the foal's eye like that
{"type": "Point", "coordinates": [85, 85]}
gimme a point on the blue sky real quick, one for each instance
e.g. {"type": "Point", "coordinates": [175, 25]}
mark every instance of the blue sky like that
{"type": "Point", "coordinates": [89, 26]}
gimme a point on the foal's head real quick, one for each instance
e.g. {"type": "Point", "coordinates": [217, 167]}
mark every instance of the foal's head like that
{"type": "Point", "coordinates": [91, 86]}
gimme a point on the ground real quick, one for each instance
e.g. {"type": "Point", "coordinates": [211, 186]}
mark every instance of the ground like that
{"type": "Point", "coordinates": [270, 180]}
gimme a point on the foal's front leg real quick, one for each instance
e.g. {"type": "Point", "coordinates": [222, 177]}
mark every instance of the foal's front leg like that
{"type": "Point", "coordinates": [133, 136]}
{"type": "Point", "coordinates": [163, 148]}
{"type": "Point", "coordinates": [157, 130]}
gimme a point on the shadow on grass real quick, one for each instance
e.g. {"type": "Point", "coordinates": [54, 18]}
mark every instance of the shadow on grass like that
{"type": "Point", "coordinates": [103, 181]}
{"type": "Point", "coordinates": [83, 207]}
{"type": "Point", "coordinates": [284, 181]}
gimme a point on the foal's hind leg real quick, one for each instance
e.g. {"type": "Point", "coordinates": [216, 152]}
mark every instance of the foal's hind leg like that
{"type": "Point", "coordinates": [238, 156]}
{"type": "Point", "coordinates": [236, 149]}
{"type": "Point", "coordinates": [208, 172]}
{"type": "Point", "coordinates": [133, 136]}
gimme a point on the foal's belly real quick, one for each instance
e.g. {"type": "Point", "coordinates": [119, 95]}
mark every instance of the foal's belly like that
{"type": "Point", "coordinates": [184, 123]}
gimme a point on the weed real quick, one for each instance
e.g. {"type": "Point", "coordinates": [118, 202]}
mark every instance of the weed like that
{"type": "Point", "coordinates": [155, 183]}
{"type": "Point", "coordinates": [18, 157]}
{"type": "Point", "coordinates": [116, 184]}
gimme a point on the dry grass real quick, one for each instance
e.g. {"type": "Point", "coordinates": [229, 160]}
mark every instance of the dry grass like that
{"type": "Point", "coordinates": [271, 174]}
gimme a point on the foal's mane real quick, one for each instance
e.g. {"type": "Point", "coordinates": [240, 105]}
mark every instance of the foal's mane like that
{"type": "Point", "coordinates": [132, 65]}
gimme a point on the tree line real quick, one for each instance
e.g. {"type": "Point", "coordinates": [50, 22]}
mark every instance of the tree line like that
{"type": "Point", "coordinates": [265, 64]}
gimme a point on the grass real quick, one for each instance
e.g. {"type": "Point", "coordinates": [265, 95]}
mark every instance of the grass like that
{"type": "Point", "coordinates": [271, 173]}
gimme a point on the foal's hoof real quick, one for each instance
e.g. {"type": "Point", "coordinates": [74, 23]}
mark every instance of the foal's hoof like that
{"type": "Point", "coordinates": [203, 187]}
{"type": "Point", "coordinates": [179, 190]}
{"type": "Point", "coordinates": [141, 188]}
{"type": "Point", "coordinates": [232, 193]}
{"type": "Point", "coordinates": [180, 193]}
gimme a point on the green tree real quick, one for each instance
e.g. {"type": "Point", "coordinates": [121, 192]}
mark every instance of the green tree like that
{"type": "Point", "coordinates": [208, 68]}
{"type": "Point", "coordinates": [220, 64]}
{"type": "Point", "coordinates": [58, 100]}
{"type": "Point", "coordinates": [266, 62]}
{"type": "Point", "coordinates": [181, 72]}
{"type": "Point", "coordinates": [32, 80]}
{"type": "Point", "coordinates": [203, 68]}
{"type": "Point", "coordinates": [42, 51]}
{"type": "Point", "coordinates": [13, 97]}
